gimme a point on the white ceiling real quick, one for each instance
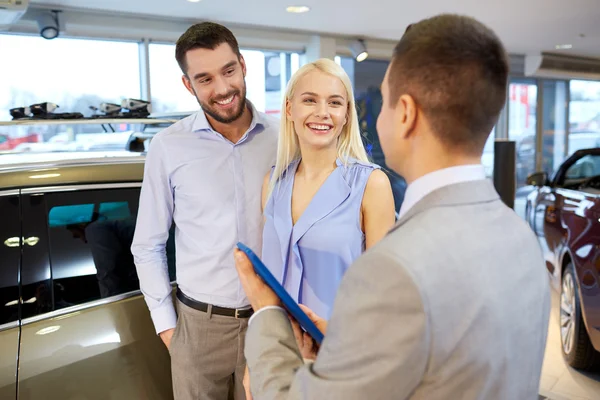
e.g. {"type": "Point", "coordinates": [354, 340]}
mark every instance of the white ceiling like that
{"type": "Point", "coordinates": [525, 26]}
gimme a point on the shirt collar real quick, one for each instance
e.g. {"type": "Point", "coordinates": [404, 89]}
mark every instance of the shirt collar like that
{"type": "Point", "coordinates": [437, 179]}
{"type": "Point", "coordinates": [201, 122]}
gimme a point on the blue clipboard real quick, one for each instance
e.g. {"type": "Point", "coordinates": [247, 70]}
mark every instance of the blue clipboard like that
{"type": "Point", "coordinates": [288, 303]}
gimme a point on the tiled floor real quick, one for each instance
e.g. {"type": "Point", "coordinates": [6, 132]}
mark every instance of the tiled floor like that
{"type": "Point", "coordinates": [560, 382]}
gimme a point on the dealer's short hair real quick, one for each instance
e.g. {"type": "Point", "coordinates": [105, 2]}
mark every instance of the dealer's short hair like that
{"type": "Point", "coordinates": [456, 70]}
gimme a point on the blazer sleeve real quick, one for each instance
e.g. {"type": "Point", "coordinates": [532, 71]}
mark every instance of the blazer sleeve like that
{"type": "Point", "coordinates": [376, 345]}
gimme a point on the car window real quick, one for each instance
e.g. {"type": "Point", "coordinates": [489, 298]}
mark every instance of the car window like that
{"type": "Point", "coordinates": [586, 167]}
{"type": "Point", "coordinates": [9, 258]}
{"type": "Point", "coordinates": [90, 235]}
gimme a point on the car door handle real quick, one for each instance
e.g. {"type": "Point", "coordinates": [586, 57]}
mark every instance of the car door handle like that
{"type": "Point", "coordinates": [14, 241]}
{"type": "Point", "coordinates": [32, 240]}
{"type": "Point", "coordinates": [16, 302]}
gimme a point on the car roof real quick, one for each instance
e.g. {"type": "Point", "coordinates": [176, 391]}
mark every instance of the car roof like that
{"type": "Point", "coordinates": [56, 169]}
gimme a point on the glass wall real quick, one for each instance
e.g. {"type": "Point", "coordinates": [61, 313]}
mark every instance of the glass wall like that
{"type": "Point", "coordinates": [166, 87]}
{"type": "Point", "coordinates": [522, 105]}
{"type": "Point", "coordinates": [584, 115]}
{"type": "Point", "coordinates": [554, 129]}
{"type": "Point", "coordinates": [267, 76]}
{"type": "Point", "coordinates": [75, 74]}
{"type": "Point", "coordinates": [80, 74]}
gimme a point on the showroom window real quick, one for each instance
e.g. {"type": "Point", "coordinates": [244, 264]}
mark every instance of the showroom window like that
{"type": "Point", "coordinates": [267, 75]}
{"type": "Point", "coordinates": [73, 73]}
{"type": "Point", "coordinates": [584, 115]}
{"type": "Point", "coordinates": [554, 129]}
{"type": "Point", "coordinates": [348, 64]}
{"type": "Point", "coordinates": [522, 113]}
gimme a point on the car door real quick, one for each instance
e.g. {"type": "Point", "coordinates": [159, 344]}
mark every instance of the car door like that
{"type": "Point", "coordinates": [10, 254]}
{"type": "Point", "coordinates": [88, 333]}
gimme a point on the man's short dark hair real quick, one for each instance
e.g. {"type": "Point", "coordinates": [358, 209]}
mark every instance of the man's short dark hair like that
{"type": "Point", "coordinates": [456, 69]}
{"type": "Point", "coordinates": [205, 35]}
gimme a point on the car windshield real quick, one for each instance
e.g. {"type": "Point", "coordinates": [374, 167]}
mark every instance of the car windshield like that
{"type": "Point", "coordinates": [586, 167]}
{"type": "Point", "coordinates": [584, 173]}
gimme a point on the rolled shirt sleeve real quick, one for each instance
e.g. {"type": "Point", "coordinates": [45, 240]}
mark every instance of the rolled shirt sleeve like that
{"type": "Point", "coordinates": [154, 219]}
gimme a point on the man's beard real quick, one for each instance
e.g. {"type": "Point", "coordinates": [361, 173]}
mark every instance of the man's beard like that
{"type": "Point", "coordinates": [228, 118]}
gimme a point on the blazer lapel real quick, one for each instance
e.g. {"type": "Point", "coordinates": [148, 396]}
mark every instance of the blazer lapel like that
{"type": "Point", "coordinates": [472, 192]}
{"type": "Point", "coordinates": [331, 194]}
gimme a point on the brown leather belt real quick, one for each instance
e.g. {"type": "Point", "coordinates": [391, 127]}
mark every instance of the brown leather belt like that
{"type": "Point", "coordinates": [200, 306]}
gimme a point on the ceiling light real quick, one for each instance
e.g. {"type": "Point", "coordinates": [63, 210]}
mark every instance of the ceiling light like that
{"type": "Point", "coordinates": [297, 9]}
{"type": "Point", "coordinates": [359, 50]}
{"type": "Point", "coordinates": [48, 24]}
{"type": "Point", "coordinates": [563, 46]}
{"type": "Point", "coordinates": [194, 1]}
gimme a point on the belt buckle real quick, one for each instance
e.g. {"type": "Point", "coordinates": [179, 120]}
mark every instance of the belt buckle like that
{"type": "Point", "coordinates": [237, 312]}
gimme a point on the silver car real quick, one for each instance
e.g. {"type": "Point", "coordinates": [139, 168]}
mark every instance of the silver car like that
{"type": "Point", "coordinates": [73, 323]}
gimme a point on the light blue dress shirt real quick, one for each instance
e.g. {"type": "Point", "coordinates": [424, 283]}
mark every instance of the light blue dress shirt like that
{"type": "Point", "coordinates": [211, 188]}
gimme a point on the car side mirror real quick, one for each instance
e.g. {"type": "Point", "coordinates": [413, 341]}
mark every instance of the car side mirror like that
{"type": "Point", "coordinates": [538, 179]}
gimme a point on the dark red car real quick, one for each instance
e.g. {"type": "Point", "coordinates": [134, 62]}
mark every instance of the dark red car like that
{"type": "Point", "coordinates": [564, 212]}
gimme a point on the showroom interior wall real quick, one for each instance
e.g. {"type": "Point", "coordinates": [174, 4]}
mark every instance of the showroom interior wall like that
{"type": "Point", "coordinates": [134, 55]}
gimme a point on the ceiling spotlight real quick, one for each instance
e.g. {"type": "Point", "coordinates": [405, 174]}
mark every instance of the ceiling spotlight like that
{"type": "Point", "coordinates": [563, 46]}
{"type": "Point", "coordinates": [359, 50]}
{"type": "Point", "coordinates": [48, 24]}
{"type": "Point", "coordinates": [297, 9]}
{"type": "Point", "coordinates": [194, 1]}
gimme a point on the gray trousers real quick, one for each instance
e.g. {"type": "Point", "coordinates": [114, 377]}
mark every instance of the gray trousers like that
{"type": "Point", "coordinates": [207, 355]}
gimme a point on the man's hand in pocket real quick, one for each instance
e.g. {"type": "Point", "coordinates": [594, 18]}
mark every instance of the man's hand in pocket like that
{"type": "Point", "coordinates": [166, 337]}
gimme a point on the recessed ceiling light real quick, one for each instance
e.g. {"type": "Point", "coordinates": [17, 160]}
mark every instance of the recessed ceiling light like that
{"type": "Point", "coordinates": [194, 1]}
{"type": "Point", "coordinates": [563, 46]}
{"type": "Point", "coordinates": [297, 9]}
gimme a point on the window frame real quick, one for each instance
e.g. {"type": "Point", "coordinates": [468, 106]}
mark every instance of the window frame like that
{"type": "Point", "coordinates": [94, 303]}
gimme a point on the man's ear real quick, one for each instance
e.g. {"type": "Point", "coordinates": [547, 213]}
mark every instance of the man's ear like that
{"type": "Point", "coordinates": [405, 116]}
{"type": "Point", "coordinates": [188, 85]}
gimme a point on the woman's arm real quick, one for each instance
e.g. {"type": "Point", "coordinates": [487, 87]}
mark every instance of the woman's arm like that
{"type": "Point", "coordinates": [378, 211]}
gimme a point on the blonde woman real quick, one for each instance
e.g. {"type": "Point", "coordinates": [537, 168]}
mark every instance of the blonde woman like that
{"type": "Point", "coordinates": [324, 202]}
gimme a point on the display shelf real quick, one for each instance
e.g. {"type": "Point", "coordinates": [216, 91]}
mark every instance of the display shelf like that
{"type": "Point", "coordinates": [87, 121]}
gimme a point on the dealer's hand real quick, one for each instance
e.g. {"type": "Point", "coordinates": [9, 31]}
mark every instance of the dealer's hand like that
{"type": "Point", "coordinates": [259, 294]}
{"type": "Point", "coordinates": [321, 323]}
{"type": "Point", "coordinates": [307, 346]}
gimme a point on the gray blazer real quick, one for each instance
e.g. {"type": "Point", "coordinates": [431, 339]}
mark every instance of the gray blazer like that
{"type": "Point", "coordinates": [452, 304]}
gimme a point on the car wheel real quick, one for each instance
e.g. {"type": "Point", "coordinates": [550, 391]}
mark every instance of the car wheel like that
{"type": "Point", "coordinates": [576, 346]}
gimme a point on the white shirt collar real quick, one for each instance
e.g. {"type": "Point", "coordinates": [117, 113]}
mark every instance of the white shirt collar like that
{"type": "Point", "coordinates": [437, 179]}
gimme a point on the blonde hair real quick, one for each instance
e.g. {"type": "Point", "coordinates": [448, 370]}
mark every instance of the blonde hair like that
{"type": "Point", "coordinates": [349, 142]}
